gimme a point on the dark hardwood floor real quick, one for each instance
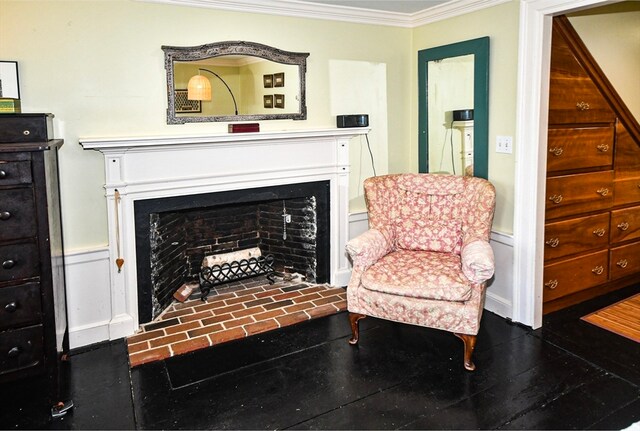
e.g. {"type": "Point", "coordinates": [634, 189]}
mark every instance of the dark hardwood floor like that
{"type": "Point", "coordinates": [566, 375]}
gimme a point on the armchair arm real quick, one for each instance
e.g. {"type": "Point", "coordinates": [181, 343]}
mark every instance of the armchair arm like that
{"type": "Point", "coordinates": [367, 248]}
{"type": "Point", "coordinates": [477, 261]}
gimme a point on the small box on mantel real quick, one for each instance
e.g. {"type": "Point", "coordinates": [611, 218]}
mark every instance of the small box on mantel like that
{"type": "Point", "coordinates": [244, 128]}
{"type": "Point", "coordinates": [9, 106]}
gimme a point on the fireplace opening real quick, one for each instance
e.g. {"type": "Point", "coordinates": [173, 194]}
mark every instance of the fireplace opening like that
{"type": "Point", "coordinates": [174, 234]}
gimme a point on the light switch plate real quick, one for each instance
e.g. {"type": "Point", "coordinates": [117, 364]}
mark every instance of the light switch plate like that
{"type": "Point", "coordinates": [504, 144]}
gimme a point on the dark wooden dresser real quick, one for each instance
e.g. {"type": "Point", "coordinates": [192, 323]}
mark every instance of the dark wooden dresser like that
{"type": "Point", "coordinates": [592, 226]}
{"type": "Point", "coordinates": [33, 321]}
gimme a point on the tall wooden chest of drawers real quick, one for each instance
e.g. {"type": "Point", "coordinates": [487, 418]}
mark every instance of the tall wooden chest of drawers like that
{"type": "Point", "coordinates": [33, 323]}
{"type": "Point", "coordinates": [592, 210]}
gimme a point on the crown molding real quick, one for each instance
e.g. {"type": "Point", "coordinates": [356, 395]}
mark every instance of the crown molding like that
{"type": "Point", "coordinates": [303, 9]}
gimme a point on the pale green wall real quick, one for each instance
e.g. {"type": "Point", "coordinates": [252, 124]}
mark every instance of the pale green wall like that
{"type": "Point", "coordinates": [612, 34]}
{"type": "Point", "coordinates": [503, 63]}
{"type": "Point", "coordinates": [98, 66]}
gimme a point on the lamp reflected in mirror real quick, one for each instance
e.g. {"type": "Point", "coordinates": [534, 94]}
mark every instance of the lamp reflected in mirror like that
{"type": "Point", "coordinates": [199, 88]}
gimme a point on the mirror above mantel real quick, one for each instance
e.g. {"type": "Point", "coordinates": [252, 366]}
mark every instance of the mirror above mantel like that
{"type": "Point", "coordinates": [234, 81]}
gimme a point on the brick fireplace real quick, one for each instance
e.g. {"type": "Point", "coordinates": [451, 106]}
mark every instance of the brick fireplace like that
{"type": "Point", "coordinates": [179, 169]}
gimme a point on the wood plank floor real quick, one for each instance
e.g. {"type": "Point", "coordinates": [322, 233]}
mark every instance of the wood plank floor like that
{"type": "Point", "coordinates": [567, 375]}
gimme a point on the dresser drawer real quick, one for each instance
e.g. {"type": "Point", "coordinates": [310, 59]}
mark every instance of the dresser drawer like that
{"type": "Point", "coordinates": [20, 349]}
{"type": "Point", "coordinates": [573, 275]}
{"type": "Point", "coordinates": [26, 127]}
{"type": "Point", "coordinates": [18, 261]}
{"type": "Point", "coordinates": [578, 148]}
{"type": "Point", "coordinates": [576, 99]}
{"type": "Point", "coordinates": [15, 172]}
{"type": "Point", "coordinates": [17, 214]}
{"type": "Point", "coordinates": [625, 260]}
{"type": "Point", "coordinates": [627, 191]}
{"type": "Point", "coordinates": [625, 224]}
{"type": "Point", "coordinates": [20, 305]}
{"type": "Point", "coordinates": [574, 194]}
{"type": "Point", "coordinates": [576, 236]}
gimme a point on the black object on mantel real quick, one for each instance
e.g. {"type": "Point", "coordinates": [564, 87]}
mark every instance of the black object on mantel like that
{"type": "Point", "coordinates": [33, 323]}
{"type": "Point", "coordinates": [356, 120]}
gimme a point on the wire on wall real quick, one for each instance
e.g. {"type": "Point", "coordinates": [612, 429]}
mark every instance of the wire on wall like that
{"type": "Point", "coordinates": [373, 164]}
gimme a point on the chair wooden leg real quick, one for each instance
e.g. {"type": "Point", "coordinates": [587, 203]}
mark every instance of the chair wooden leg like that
{"type": "Point", "coordinates": [355, 328]}
{"type": "Point", "coordinates": [469, 345]}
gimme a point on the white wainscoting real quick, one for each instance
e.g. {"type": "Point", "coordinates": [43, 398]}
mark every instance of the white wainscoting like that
{"type": "Point", "coordinates": [89, 287]}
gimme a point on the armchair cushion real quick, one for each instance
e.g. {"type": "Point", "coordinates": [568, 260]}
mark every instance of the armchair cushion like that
{"type": "Point", "coordinates": [368, 247]}
{"type": "Point", "coordinates": [478, 261]}
{"type": "Point", "coordinates": [402, 273]}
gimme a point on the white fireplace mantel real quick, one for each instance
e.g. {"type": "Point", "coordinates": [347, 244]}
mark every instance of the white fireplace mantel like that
{"type": "Point", "coordinates": [164, 166]}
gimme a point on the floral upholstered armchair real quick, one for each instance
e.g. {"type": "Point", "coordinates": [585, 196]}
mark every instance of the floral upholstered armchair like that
{"type": "Point", "coordinates": [426, 257]}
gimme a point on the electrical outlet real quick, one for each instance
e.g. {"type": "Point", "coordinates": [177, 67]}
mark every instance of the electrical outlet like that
{"type": "Point", "coordinates": [504, 144]}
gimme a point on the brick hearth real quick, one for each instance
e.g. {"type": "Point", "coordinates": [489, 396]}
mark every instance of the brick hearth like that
{"type": "Point", "coordinates": [236, 311]}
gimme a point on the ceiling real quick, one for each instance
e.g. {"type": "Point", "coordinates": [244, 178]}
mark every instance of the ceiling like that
{"type": "Point", "coordinates": [398, 6]}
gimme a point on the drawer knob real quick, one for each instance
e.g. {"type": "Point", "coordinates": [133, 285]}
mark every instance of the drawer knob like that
{"type": "Point", "coordinates": [552, 242]}
{"type": "Point", "coordinates": [8, 264]}
{"type": "Point", "coordinates": [11, 307]}
{"type": "Point", "coordinates": [5, 215]}
{"type": "Point", "coordinates": [13, 352]}
{"type": "Point", "coordinates": [598, 270]}
{"type": "Point", "coordinates": [26, 132]}
{"type": "Point", "coordinates": [3, 174]}
{"type": "Point", "coordinates": [603, 191]}
{"type": "Point", "coordinates": [623, 226]}
{"type": "Point", "coordinates": [603, 148]}
{"type": "Point", "coordinates": [551, 284]}
{"type": "Point", "coordinates": [556, 199]}
{"type": "Point", "coordinates": [622, 263]}
{"type": "Point", "coordinates": [583, 106]}
{"type": "Point", "coordinates": [556, 151]}
{"type": "Point", "coordinates": [599, 232]}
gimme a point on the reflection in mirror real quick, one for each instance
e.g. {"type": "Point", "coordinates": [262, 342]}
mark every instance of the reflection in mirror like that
{"type": "Point", "coordinates": [453, 108]}
{"type": "Point", "coordinates": [234, 81]}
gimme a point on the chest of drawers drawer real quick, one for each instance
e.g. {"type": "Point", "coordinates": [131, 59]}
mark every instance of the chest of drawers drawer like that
{"type": "Point", "coordinates": [576, 235]}
{"type": "Point", "coordinates": [20, 305]}
{"type": "Point", "coordinates": [627, 191]}
{"type": "Point", "coordinates": [579, 148]}
{"type": "Point", "coordinates": [14, 172]}
{"type": "Point", "coordinates": [17, 214]}
{"type": "Point", "coordinates": [21, 349]}
{"type": "Point", "coordinates": [19, 261]}
{"type": "Point", "coordinates": [625, 260]}
{"type": "Point", "coordinates": [574, 194]}
{"type": "Point", "coordinates": [625, 224]}
{"type": "Point", "coordinates": [573, 275]}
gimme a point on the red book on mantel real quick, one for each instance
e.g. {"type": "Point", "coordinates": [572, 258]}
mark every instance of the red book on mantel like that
{"type": "Point", "coordinates": [244, 128]}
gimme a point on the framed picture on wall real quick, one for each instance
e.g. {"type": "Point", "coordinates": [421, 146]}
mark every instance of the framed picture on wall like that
{"type": "Point", "coordinates": [278, 100]}
{"type": "Point", "coordinates": [268, 101]}
{"type": "Point", "coordinates": [267, 81]}
{"type": "Point", "coordinates": [9, 85]}
{"type": "Point", "coordinates": [183, 104]}
{"type": "Point", "coordinates": [278, 79]}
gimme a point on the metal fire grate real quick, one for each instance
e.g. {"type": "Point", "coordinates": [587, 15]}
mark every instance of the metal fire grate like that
{"type": "Point", "coordinates": [214, 275]}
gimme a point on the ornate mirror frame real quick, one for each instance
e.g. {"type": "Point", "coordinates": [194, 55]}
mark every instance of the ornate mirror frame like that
{"type": "Point", "coordinates": [194, 53]}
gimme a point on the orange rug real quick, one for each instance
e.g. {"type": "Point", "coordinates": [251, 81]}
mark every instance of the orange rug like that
{"type": "Point", "coordinates": [622, 318]}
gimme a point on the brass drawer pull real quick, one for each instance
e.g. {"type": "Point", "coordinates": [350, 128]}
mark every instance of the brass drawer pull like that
{"type": "Point", "coordinates": [5, 215]}
{"type": "Point", "coordinates": [583, 106]}
{"type": "Point", "coordinates": [556, 151]}
{"type": "Point", "coordinates": [556, 199]}
{"type": "Point", "coordinates": [603, 191]}
{"type": "Point", "coordinates": [11, 307]}
{"type": "Point", "coordinates": [8, 264]}
{"type": "Point", "coordinates": [3, 175]}
{"type": "Point", "coordinates": [622, 263]}
{"type": "Point", "coordinates": [551, 284]}
{"type": "Point", "coordinates": [603, 148]}
{"type": "Point", "coordinates": [26, 132]}
{"type": "Point", "coordinates": [553, 242]}
{"type": "Point", "coordinates": [599, 232]}
{"type": "Point", "coordinates": [623, 226]}
{"type": "Point", "coordinates": [13, 352]}
{"type": "Point", "coordinates": [598, 270]}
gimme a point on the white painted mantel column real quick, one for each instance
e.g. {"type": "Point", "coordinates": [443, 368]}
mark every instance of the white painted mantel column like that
{"type": "Point", "coordinates": [165, 166]}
